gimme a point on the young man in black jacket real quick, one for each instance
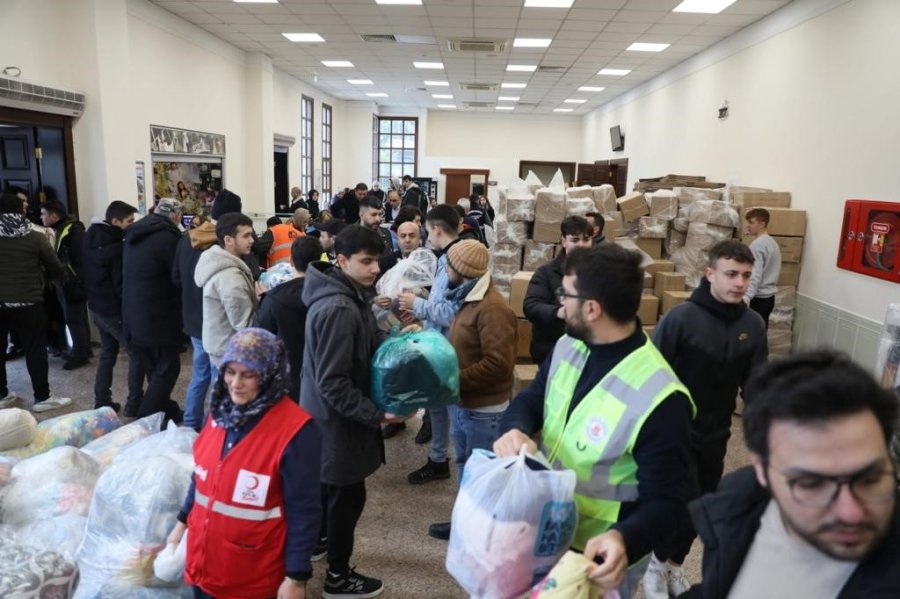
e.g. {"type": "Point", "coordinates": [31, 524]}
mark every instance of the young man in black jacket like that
{"type": "Point", "coordinates": [542, 306]}
{"type": "Point", "coordinates": [713, 342]}
{"type": "Point", "coordinates": [103, 244]}
{"type": "Point", "coordinates": [817, 515]}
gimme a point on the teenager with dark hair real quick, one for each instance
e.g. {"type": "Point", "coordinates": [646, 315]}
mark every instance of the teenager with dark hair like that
{"type": "Point", "coordinates": [817, 514]}
{"type": "Point", "coordinates": [760, 294]}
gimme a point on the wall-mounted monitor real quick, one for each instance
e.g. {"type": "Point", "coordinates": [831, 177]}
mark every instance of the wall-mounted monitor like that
{"type": "Point", "coordinates": [617, 139]}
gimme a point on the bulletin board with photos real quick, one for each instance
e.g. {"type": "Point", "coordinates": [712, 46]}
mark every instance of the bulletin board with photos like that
{"type": "Point", "coordinates": [187, 165]}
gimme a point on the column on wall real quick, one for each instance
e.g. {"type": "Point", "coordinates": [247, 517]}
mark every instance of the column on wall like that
{"type": "Point", "coordinates": [259, 178]}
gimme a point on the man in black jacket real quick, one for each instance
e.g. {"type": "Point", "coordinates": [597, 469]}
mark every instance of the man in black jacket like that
{"type": "Point", "coordinates": [817, 515]}
{"type": "Point", "coordinates": [346, 208]}
{"type": "Point", "coordinates": [414, 196]}
{"type": "Point", "coordinates": [103, 245]}
{"type": "Point", "coordinates": [713, 342]}
{"type": "Point", "coordinates": [71, 294]}
{"type": "Point", "coordinates": [282, 311]}
{"type": "Point", "coordinates": [541, 304]}
{"type": "Point", "coordinates": [152, 305]}
{"type": "Point", "coordinates": [341, 338]}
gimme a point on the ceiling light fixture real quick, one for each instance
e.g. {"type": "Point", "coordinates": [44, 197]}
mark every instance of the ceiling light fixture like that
{"type": "Point", "coordinates": [614, 72]}
{"type": "Point", "coordinates": [437, 83]}
{"type": "Point", "coordinates": [338, 64]}
{"type": "Point", "coordinates": [508, 99]}
{"type": "Point", "coordinates": [504, 107]}
{"type": "Point", "coordinates": [574, 101]}
{"type": "Point", "coordinates": [304, 37]}
{"type": "Point", "coordinates": [646, 47]}
{"type": "Point", "coordinates": [359, 81]}
{"type": "Point", "coordinates": [531, 42]}
{"type": "Point", "coordinates": [711, 7]}
{"type": "Point", "coordinates": [416, 2]}
{"type": "Point", "coordinates": [523, 68]}
{"type": "Point", "coordinates": [512, 86]}
{"type": "Point", "coordinates": [377, 95]}
{"type": "Point", "coordinates": [590, 88]}
{"type": "Point", "coordinates": [549, 3]}
{"type": "Point", "coordinates": [562, 110]}
{"type": "Point", "coordinates": [428, 65]}
{"type": "Point", "coordinates": [442, 96]}
{"type": "Point", "coordinates": [257, 1]}
{"type": "Point", "coordinates": [447, 106]}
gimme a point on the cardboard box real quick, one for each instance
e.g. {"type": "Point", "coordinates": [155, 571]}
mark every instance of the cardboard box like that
{"type": "Point", "coordinates": [784, 221]}
{"type": "Point", "coordinates": [670, 299]}
{"type": "Point", "coordinates": [651, 246]}
{"type": "Point", "coordinates": [523, 375]}
{"type": "Point", "coordinates": [546, 232]}
{"type": "Point", "coordinates": [790, 274]}
{"type": "Point", "coordinates": [517, 289]}
{"type": "Point", "coordinates": [664, 204]}
{"type": "Point", "coordinates": [633, 206]}
{"type": "Point", "coordinates": [648, 280]}
{"type": "Point", "coordinates": [668, 281]}
{"type": "Point", "coordinates": [648, 311]}
{"type": "Point", "coordinates": [758, 199]}
{"type": "Point", "coordinates": [537, 254]}
{"type": "Point", "coordinates": [660, 266]}
{"type": "Point", "coordinates": [523, 338]}
{"type": "Point", "coordinates": [550, 206]}
{"type": "Point", "coordinates": [791, 247]}
{"type": "Point", "coordinates": [652, 227]}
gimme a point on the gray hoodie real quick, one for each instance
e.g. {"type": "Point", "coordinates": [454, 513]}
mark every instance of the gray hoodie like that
{"type": "Point", "coordinates": [766, 267]}
{"type": "Point", "coordinates": [229, 298]}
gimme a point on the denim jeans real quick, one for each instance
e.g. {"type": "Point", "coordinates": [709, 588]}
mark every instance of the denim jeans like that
{"type": "Point", "coordinates": [440, 433]}
{"type": "Point", "coordinates": [472, 430]}
{"type": "Point", "coordinates": [195, 399]}
{"type": "Point", "coordinates": [112, 337]}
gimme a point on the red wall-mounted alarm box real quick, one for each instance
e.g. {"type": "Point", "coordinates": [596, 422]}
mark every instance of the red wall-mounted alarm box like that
{"type": "Point", "coordinates": [870, 239]}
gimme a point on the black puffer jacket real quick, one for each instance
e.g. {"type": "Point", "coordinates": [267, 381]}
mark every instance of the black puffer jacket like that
{"type": "Point", "coordinates": [24, 256]}
{"type": "Point", "coordinates": [151, 303]}
{"type": "Point", "coordinates": [282, 311]}
{"type": "Point", "coordinates": [541, 308]}
{"type": "Point", "coordinates": [713, 347]}
{"type": "Point", "coordinates": [190, 247]}
{"type": "Point", "coordinates": [102, 268]}
{"type": "Point", "coordinates": [341, 338]}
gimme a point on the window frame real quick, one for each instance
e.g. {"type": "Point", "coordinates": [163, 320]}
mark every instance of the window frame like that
{"type": "Point", "coordinates": [377, 148]}
{"type": "Point", "coordinates": [327, 148]}
{"type": "Point", "coordinates": [307, 139]}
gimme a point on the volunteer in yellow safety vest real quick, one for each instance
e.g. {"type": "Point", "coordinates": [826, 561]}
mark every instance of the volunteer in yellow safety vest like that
{"type": "Point", "coordinates": [609, 407]}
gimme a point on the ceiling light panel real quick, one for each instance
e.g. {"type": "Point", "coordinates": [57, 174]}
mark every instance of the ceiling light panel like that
{"type": "Point", "coordinates": [304, 37]}
{"type": "Point", "coordinates": [512, 85]}
{"type": "Point", "coordinates": [437, 83]}
{"type": "Point", "coordinates": [614, 72]}
{"type": "Point", "coordinates": [413, 2]}
{"type": "Point", "coordinates": [522, 68]}
{"type": "Point", "coordinates": [428, 65]}
{"type": "Point", "coordinates": [574, 101]}
{"type": "Point", "coordinates": [338, 64]}
{"type": "Point", "coordinates": [711, 7]}
{"type": "Point", "coordinates": [504, 108]}
{"type": "Point", "coordinates": [256, 1]}
{"type": "Point", "coordinates": [359, 81]}
{"type": "Point", "coordinates": [532, 42]}
{"type": "Point", "coordinates": [377, 95]}
{"type": "Point", "coordinates": [562, 110]}
{"type": "Point", "coordinates": [442, 96]}
{"type": "Point", "coordinates": [549, 3]}
{"type": "Point", "coordinates": [508, 99]}
{"type": "Point", "coordinates": [590, 88]}
{"type": "Point", "coordinates": [449, 106]}
{"type": "Point", "coordinates": [646, 47]}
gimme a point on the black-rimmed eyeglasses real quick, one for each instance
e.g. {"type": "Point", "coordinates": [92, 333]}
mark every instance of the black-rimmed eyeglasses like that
{"type": "Point", "coordinates": [561, 293]}
{"type": "Point", "coordinates": [818, 490]}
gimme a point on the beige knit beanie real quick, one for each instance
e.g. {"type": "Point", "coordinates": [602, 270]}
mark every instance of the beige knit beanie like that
{"type": "Point", "coordinates": [469, 258]}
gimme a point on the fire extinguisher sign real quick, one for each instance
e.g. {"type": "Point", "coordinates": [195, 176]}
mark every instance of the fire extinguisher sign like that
{"type": "Point", "coordinates": [879, 232]}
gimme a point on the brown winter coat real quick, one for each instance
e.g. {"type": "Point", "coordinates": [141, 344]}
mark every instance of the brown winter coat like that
{"type": "Point", "coordinates": [484, 336]}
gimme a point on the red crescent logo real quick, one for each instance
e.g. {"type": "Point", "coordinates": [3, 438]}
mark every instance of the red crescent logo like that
{"type": "Point", "coordinates": [254, 484]}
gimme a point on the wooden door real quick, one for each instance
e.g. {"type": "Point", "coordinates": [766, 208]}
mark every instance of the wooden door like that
{"type": "Point", "coordinates": [17, 161]}
{"type": "Point", "coordinates": [618, 174]}
{"type": "Point", "coordinates": [457, 187]}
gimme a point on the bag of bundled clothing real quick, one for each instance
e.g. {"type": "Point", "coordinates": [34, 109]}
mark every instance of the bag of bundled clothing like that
{"type": "Point", "coordinates": [569, 580]}
{"type": "Point", "coordinates": [107, 447]}
{"type": "Point", "coordinates": [76, 429]}
{"type": "Point", "coordinates": [512, 521]}
{"type": "Point", "coordinates": [415, 370]}
{"type": "Point", "coordinates": [28, 572]}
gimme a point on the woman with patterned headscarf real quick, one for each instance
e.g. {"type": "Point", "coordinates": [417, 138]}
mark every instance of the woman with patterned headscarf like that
{"type": "Point", "coordinates": [255, 493]}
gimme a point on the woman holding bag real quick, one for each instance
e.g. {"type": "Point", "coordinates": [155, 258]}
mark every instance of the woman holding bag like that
{"type": "Point", "coordinates": [254, 504]}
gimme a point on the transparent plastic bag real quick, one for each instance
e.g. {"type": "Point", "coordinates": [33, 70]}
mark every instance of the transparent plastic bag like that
{"type": "Point", "coordinates": [75, 429]}
{"type": "Point", "coordinates": [520, 209]}
{"type": "Point", "coordinates": [691, 262]}
{"type": "Point", "coordinates": [108, 446]}
{"type": "Point", "coordinates": [703, 236]}
{"type": "Point", "coordinates": [604, 198]}
{"type": "Point", "coordinates": [62, 534]}
{"type": "Point", "coordinates": [887, 362]}
{"type": "Point", "coordinates": [537, 254]}
{"type": "Point", "coordinates": [508, 231]}
{"type": "Point", "coordinates": [417, 270]}
{"type": "Point", "coordinates": [512, 521]}
{"type": "Point", "coordinates": [714, 212]}
{"type": "Point", "coordinates": [550, 206]}
{"type": "Point", "coordinates": [175, 441]}
{"type": "Point", "coordinates": [28, 572]}
{"type": "Point", "coordinates": [652, 227]}
{"type": "Point", "coordinates": [675, 240]}
{"type": "Point", "coordinates": [533, 182]}
{"type": "Point", "coordinates": [17, 428]}
{"type": "Point", "coordinates": [585, 191]}
{"type": "Point", "coordinates": [558, 182]}
{"type": "Point", "coordinates": [579, 206]}
{"type": "Point", "coordinates": [170, 562]}
{"type": "Point", "coordinates": [415, 370]}
{"type": "Point", "coordinates": [569, 580]}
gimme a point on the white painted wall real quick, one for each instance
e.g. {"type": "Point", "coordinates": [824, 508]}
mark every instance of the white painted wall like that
{"type": "Point", "coordinates": [813, 110]}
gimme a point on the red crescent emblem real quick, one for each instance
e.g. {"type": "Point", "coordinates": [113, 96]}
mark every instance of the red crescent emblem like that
{"type": "Point", "coordinates": [254, 483]}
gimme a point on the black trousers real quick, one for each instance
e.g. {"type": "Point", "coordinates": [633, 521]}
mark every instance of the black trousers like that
{"type": "Point", "coordinates": [763, 306]}
{"type": "Point", "coordinates": [28, 324]}
{"type": "Point", "coordinates": [342, 506]}
{"type": "Point", "coordinates": [161, 365]}
{"type": "Point", "coordinates": [707, 465]}
{"type": "Point", "coordinates": [75, 314]}
{"type": "Point", "coordinates": [112, 337]}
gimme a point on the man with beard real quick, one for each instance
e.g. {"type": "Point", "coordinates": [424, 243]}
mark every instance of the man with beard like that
{"type": "Point", "coordinates": [610, 408]}
{"type": "Point", "coordinates": [817, 514]}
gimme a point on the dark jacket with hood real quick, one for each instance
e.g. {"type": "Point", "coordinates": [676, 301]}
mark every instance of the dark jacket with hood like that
{"type": "Point", "coordinates": [151, 303]}
{"type": "Point", "coordinates": [727, 522]}
{"type": "Point", "coordinates": [23, 253]}
{"type": "Point", "coordinates": [192, 244]}
{"type": "Point", "coordinates": [282, 311]}
{"type": "Point", "coordinates": [341, 338]}
{"type": "Point", "coordinates": [102, 268]}
{"type": "Point", "coordinates": [712, 347]}
{"type": "Point", "coordinates": [70, 247]}
{"type": "Point", "coordinates": [542, 306]}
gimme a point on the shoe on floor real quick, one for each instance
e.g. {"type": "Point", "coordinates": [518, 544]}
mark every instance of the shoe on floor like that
{"type": "Point", "coordinates": [11, 401]}
{"type": "Point", "coordinates": [73, 363]}
{"type": "Point", "coordinates": [13, 352]}
{"type": "Point", "coordinates": [352, 585]}
{"type": "Point", "coordinates": [132, 408]}
{"type": "Point", "coordinates": [429, 472]}
{"type": "Point", "coordinates": [321, 550]}
{"type": "Point", "coordinates": [656, 580]}
{"type": "Point", "coordinates": [424, 434]}
{"type": "Point", "coordinates": [440, 530]}
{"type": "Point", "coordinates": [112, 404]}
{"type": "Point", "coordinates": [391, 430]}
{"type": "Point", "coordinates": [52, 403]}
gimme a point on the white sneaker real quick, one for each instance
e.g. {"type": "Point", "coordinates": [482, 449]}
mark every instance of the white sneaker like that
{"type": "Point", "coordinates": [656, 582]}
{"type": "Point", "coordinates": [52, 403]}
{"type": "Point", "coordinates": [678, 581]}
{"type": "Point", "coordinates": [11, 401]}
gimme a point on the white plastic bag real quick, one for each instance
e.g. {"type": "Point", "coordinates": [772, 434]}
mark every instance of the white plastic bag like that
{"type": "Point", "coordinates": [512, 521]}
{"type": "Point", "coordinates": [17, 428]}
{"type": "Point", "coordinates": [109, 445]}
{"type": "Point", "coordinates": [413, 272]}
{"type": "Point", "coordinates": [171, 561]}
{"type": "Point", "coordinates": [558, 182]}
{"type": "Point", "coordinates": [173, 442]}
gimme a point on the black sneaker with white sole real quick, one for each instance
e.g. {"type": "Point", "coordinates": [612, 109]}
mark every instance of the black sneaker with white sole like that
{"type": "Point", "coordinates": [351, 585]}
{"type": "Point", "coordinates": [321, 549]}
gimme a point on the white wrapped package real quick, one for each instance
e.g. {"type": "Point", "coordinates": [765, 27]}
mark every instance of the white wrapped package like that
{"type": "Point", "coordinates": [63, 534]}
{"type": "Point", "coordinates": [500, 204]}
{"type": "Point", "coordinates": [510, 232]}
{"type": "Point", "coordinates": [579, 206]}
{"type": "Point", "coordinates": [520, 209]}
{"type": "Point", "coordinates": [652, 227]}
{"type": "Point", "coordinates": [714, 212]}
{"type": "Point", "coordinates": [59, 482]}
{"type": "Point", "coordinates": [786, 297]}
{"type": "Point", "coordinates": [17, 428]}
{"type": "Point", "coordinates": [537, 254]}
{"type": "Point", "coordinates": [109, 445]}
{"type": "Point", "coordinates": [781, 318]}
{"type": "Point", "coordinates": [75, 429]}
{"type": "Point", "coordinates": [584, 191]}
{"type": "Point", "coordinates": [558, 182]}
{"type": "Point", "coordinates": [663, 204]}
{"type": "Point", "coordinates": [691, 262]}
{"type": "Point", "coordinates": [681, 224]}
{"type": "Point", "coordinates": [701, 236]}
{"type": "Point", "coordinates": [630, 229]}
{"type": "Point", "coordinates": [628, 244]}
{"type": "Point", "coordinates": [170, 562]}
{"type": "Point", "coordinates": [550, 206]}
{"type": "Point", "coordinates": [175, 442]}
{"type": "Point", "coordinates": [533, 182]}
{"type": "Point", "coordinates": [780, 342]}
{"type": "Point", "coordinates": [688, 195]}
{"type": "Point", "coordinates": [675, 240]}
{"type": "Point", "coordinates": [413, 272]}
{"type": "Point", "coordinates": [604, 198]}
{"type": "Point", "coordinates": [512, 521]}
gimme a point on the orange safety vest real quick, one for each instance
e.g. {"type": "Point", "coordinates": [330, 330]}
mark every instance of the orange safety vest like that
{"type": "Point", "coordinates": [284, 235]}
{"type": "Point", "coordinates": [235, 548]}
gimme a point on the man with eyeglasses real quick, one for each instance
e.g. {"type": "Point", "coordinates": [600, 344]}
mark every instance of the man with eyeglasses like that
{"type": "Point", "coordinates": [542, 307]}
{"type": "Point", "coordinates": [816, 516]}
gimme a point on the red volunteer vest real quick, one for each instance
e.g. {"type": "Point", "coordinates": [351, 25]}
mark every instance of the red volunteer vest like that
{"type": "Point", "coordinates": [237, 525]}
{"type": "Point", "coordinates": [284, 235]}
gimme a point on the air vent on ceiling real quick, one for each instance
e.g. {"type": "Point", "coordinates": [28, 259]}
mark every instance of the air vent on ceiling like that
{"type": "Point", "coordinates": [549, 69]}
{"type": "Point", "coordinates": [524, 104]}
{"type": "Point", "coordinates": [379, 37]}
{"type": "Point", "coordinates": [478, 104]}
{"type": "Point", "coordinates": [477, 45]}
{"type": "Point", "coordinates": [21, 94]}
{"type": "Point", "coordinates": [479, 87]}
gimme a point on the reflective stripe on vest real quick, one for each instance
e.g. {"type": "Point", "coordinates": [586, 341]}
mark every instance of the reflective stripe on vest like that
{"type": "Point", "coordinates": [237, 512]}
{"type": "Point", "coordinates": [598, 439]}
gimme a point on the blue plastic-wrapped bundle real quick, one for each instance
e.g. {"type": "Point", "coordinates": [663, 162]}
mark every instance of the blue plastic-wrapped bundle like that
{"type": "Point", "coordinates": [415, 370]}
